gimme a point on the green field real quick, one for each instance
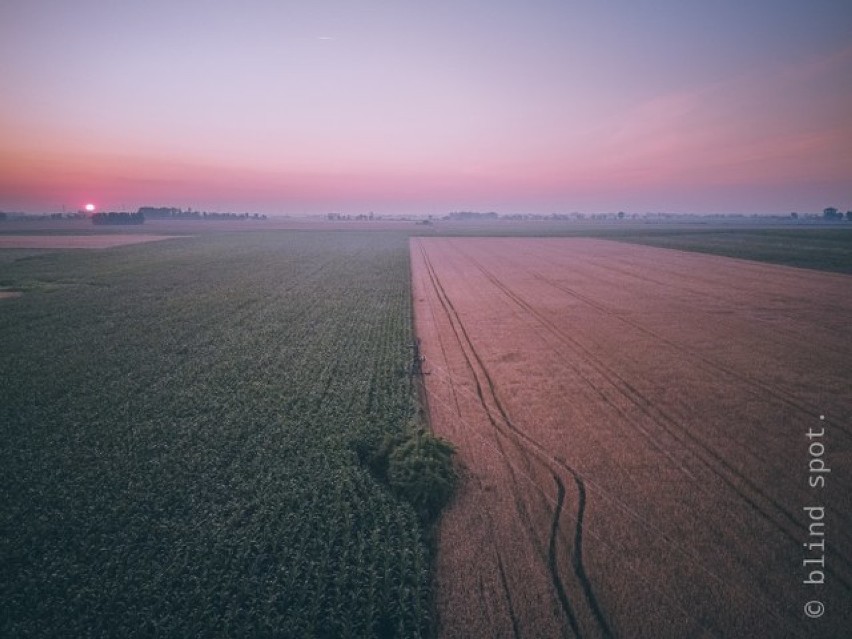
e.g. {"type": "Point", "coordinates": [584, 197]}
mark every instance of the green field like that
{"type": "Point", "coordinates": [823, 248]}
{"type": "Point", "coordinates": [179, 424]}
{"type": "Point", "coordinates": [814, 248]}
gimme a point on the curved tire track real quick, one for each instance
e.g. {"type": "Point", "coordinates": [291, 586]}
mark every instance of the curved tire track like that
{"type": "Point", "coordinates": [532, 450]}
{"type": "Point", "coordinates": [709, 457]}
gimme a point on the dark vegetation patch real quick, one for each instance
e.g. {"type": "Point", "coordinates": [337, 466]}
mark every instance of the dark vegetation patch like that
{"type": "Point", "coordinates": [8, 255]}
{"type": "Point", "coordinates": [416, 465]}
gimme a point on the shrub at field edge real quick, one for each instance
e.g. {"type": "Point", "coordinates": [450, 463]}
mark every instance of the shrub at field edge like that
{"type": "Point", "coordinates": [417, 466]}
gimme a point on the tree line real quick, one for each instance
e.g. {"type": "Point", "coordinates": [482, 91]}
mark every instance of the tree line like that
{"type": "Point", "coordinates": [172, 213]}
{"type": "Point", "coordinates": [118, 218]}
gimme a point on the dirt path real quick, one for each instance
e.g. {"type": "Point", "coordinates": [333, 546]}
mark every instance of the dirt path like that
{"type": "Point", "coordinates": [632, 426]}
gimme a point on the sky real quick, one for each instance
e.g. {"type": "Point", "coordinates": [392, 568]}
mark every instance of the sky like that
{"type": "Point", "coordinates": [404, 107]}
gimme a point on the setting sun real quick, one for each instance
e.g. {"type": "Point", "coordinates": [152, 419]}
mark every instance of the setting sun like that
{"type": "Point", "coordinates": [89, 208]}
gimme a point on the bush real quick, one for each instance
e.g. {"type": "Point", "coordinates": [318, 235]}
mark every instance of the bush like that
{"type": "Point", "coordinates": [418, 467]}
{"type": "Point", "coordinates": [420, 470]}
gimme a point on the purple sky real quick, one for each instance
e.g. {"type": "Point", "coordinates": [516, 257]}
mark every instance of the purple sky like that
{"type": "Point", "coordinates": [416, 107]}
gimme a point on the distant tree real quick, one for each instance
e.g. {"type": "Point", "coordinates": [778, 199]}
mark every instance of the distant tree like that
{"type": "Point", "coordinates": [2, 216]}
{"type": "Point", "coordinates": [831, 213]}
{"type": "Point", "coordinates": [849, 216]}
{"type": "Point", "coordinates": [621, 215]}
{"type": "Point", "coordinates": [794, 215]}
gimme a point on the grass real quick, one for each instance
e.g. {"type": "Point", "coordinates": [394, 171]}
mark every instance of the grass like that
{"type": "Point", "coordinates": [179, 424]}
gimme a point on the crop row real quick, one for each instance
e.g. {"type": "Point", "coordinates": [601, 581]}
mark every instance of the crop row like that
{"type": "Point", "coordinates": [178, 423]}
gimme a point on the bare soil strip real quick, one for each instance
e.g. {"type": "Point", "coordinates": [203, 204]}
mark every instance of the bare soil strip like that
{"type": "Point", "coordinates": [76, 241]}
{"type": "Point", "coordinates": [631, 423]}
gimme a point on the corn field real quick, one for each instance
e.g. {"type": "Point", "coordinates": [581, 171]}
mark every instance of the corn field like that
{"type": "Point", "coordinates": [178, 424]}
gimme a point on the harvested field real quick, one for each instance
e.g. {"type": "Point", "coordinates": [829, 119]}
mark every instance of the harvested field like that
{"type": "Point", "coordinates": [631, 425]}
{"type": "Point", "coordinates": [76, 241]}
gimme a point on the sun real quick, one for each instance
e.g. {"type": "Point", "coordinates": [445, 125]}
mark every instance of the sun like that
{"type": "Point", "coordinates": [89, 208]}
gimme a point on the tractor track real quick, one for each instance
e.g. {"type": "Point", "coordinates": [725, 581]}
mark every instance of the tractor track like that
{"type": "Point", "coordinates": [790, 526]}
{"type": "Point", "coordinates": [507, 593]}
{"type": "Point", "coordinates": [531, 450]}
{"type": "Point", "coordinates": [783, 398]}
{"type": "Point", "coordinates": [607, 421]}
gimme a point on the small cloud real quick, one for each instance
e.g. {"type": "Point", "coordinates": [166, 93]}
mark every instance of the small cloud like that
{"type": "Point", "coordinates": [325, 38]}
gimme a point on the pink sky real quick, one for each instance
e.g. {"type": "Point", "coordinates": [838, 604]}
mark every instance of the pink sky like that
{"type": "Point", "coordinates": [291, 108]}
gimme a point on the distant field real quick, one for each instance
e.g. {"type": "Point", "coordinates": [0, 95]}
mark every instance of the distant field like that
{"type": "Point", "coordinates": [179, 422]}
{"type": "Point", "coordinates": [819, 249]}
{"type": "Point", "coordinates": [824, 248]}
{"type": "Point", "coordinates": [807, 245]}
{"type": "Point", "coordinates": [192, 227]}
{"type": "Point", "coordinates": [75, 241]}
